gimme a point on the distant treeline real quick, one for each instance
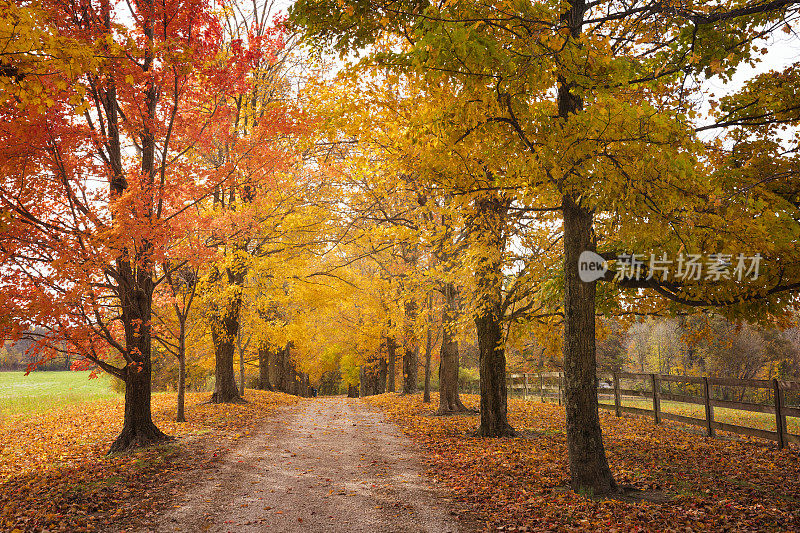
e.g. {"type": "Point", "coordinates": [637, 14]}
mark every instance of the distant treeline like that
{"type": "Point", "coordinates": [16, 356]}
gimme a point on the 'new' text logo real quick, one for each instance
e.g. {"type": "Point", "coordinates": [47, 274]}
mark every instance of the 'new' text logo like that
{"type": "Point", "coordinates": [591, 266]}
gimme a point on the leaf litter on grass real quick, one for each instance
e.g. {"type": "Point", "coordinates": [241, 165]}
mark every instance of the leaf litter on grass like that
{"type": "Point", "coordinates": [55, 474]}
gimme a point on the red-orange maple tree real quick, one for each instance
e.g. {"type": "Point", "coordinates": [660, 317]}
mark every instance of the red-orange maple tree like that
{"type": "Point", "coordinates": [98, 182]}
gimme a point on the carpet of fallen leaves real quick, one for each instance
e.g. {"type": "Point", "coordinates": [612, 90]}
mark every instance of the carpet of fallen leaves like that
{"type": "Point", "coordinates": [55, 474]}
{"type": "Point", "coordinates": [691, 482]}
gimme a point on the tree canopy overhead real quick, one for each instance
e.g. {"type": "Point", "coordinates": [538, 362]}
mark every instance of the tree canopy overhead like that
{"type": "Point", "coordinates": [593, 110]}
{"type": "Point", "coordinates": [443, 184]}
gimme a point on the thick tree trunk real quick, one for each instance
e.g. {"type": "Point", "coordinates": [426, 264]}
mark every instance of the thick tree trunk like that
{"type": "Point", "coordinates": [449, 401]}
{"type": "Point", "coordinates": [410, 365]}
{"type": "Point", "coordinates": [587, 457]}
{"type": "Point", "coordinates": [285, 379]}
{"type": "Point", "coordinates": [135, 284]}
{"type": "Point", "coordinates": [363, 383]}
{"type": "Point", "coordinates": [488, 319]}
{"type": "Point", "coordinates": [263, 368]}
{"type": "Point", "coordinates": [225, 389]}
{"type": "Point", "coordinates": [426, 394]}
{"type": "Point", "coordinates": [136, 299]}
{"type": "Point", "coordinates": [223, 333]}
{"type": "Point", "coordinates": [380, 377]}
{"type": "Point", "coordinates": [241, 373]}
{"type": "Point", "coordinates": [391, 361]}
{"type": "Point", "coordinates": [410, 350]}
{"type": "Point", "coordinates": [138, 428]}
{"type": "Point", "coordinates": [280, 371]}
{"type": "Point", "coordinates": [494, 409]}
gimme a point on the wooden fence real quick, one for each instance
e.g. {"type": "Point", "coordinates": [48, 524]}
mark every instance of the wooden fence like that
{"type": "Point", "coordinates": [752, 395]}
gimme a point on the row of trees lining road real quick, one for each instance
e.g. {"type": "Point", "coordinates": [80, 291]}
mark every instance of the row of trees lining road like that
{"type": "Point", "coordinates": [591, 112]}
{"type": "Point", "coordinates": [186, 176]}
{"type": "Point", "coordinates": [115, 158]}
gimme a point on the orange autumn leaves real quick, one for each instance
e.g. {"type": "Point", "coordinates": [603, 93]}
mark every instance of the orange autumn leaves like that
{"type": "Point", "coordinates": [521, 484]}
{"type": "Point", "coordinates": [55, 474]}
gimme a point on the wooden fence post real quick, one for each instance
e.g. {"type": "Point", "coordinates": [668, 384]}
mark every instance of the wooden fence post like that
{"type": "Point", "coordinates": [541, 386]}
{"type": "Point", "coordinates": [656, 398]}
{"type": "Point", "coordinates": [709, 408]}
{"type": "Point", "coordinates": [617, 396]}
{"type": "Point", "coordinates": [558, 376]}
{"type": "Point", "coordinates": [780, 420]}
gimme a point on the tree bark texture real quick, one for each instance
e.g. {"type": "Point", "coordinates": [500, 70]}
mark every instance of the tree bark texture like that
{"type": "Point", "coordinates": [410, 350]}
{"type": "Point", "coordinates": [588, 464]}
{"type": "Point", "coordinates": [391, 363]}
{"type": "Point", "coordinates": [181, 414]}
{"type": "Point", "coordinates": [426, 394]}
{"type": "Point", "coordinates": [264, 360]}
{"type": "Point", "coordinates": [136, 297]}
{"type": "Point", "coordinates": [449, 401]}
{"type": "Point", "coordinates": [223, 334]}
{"type": "Point", "coordinates": [381, 375]}
{"type": "Point", "coordinates": [587, 457]}
{"type": "Point", "coordinates": [492, 212]}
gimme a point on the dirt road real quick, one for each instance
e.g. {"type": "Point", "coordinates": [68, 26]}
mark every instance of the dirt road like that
{"type": "Point", "coordinates": [328, 465]}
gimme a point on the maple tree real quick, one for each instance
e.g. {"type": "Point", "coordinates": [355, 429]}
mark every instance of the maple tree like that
{"type": "Point", "coordinates": [93, 196]}
{"type": "Point", "coordinates": [257, 214]}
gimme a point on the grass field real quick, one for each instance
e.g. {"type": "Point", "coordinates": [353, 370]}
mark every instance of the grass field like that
{"type": "Point", "coordinates": [738, 417]}
{"type": "Point", "coordinates": [40, 391]}
{"type": "Point", "coordinates": [721, 414]}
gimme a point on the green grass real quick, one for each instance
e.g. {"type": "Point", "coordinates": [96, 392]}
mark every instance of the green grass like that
{"type": "Point", "coordinates": [40, 390]}
{"type": "Point", "coordinates": [721, 414]}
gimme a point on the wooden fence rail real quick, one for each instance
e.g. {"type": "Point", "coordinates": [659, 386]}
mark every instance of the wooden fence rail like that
{"type": "Point", "coordinates": [767, 396]}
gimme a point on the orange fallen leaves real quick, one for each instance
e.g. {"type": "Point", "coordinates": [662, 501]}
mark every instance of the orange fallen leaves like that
{"type": "Point", "coordinates": [521, 484]}
{"type": "Point", "coordinates": [55, 474]}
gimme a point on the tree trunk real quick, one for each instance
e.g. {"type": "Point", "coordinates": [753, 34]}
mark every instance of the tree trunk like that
{"type": "Point", "coordinates": [135, 285]}
{"type": "Point", "coordinates": [426, 394]}
{"type": "Point", "coordinates": [352, 391]}
{"type": "Point", "coordinates": [181, 415]}
{"type": "Point", "coordinates": [380, 377]}
{"type": "Point", "coordinates": [138, 428]}
{"type": "Point", "coordinates": [489, 280]}
{"type": "Point", "coordinates": [391, 360]}
{"type": "Point", "coordinates": [587, 457]}
{"type": "Point", "coordinates": [449, 401]}
{"type": "Point", "coordinates": [494, 408]}
{"type": "Point", "coordinates": [136, 299]}
{"type": "Point", "coordinates": [363, 389]}
{"type": "Point", "coordinates": [225, 389]}
{"type": "Point", "coordinates": [263, 368]}
{"type": "Point", "coordinates": [241, 373]}
{"type": "Point", "coordinates": [224, 331]}
{"type": "Point", "coordinates": [410, 369]}
{"type": "Point", "coordinates": [410, 350]}
{"type": "Point", "coordinates": [285, 380]}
